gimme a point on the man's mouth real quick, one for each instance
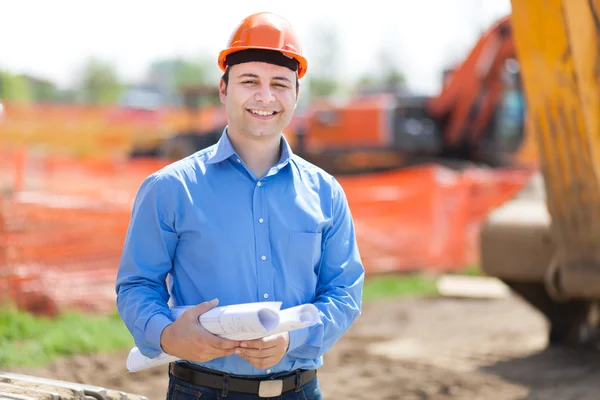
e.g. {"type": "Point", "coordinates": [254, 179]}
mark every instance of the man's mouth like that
{"type": "Point", "coordinates": [262, 113]}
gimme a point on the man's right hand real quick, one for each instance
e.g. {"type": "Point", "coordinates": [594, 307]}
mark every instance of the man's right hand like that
{"type": "Point", "coordinates": [188, 340]}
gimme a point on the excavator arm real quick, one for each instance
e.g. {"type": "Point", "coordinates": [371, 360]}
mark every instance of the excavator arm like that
{"type": "Point", "coordinates": [547, 245]}
{"type": "Point", "coordinates": [471, 95]}
{"type": "Point", "coordinates": [558, 50]}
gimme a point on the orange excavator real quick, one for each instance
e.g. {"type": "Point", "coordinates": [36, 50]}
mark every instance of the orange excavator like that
{"type": "Point", "coordinates": [479, 116]}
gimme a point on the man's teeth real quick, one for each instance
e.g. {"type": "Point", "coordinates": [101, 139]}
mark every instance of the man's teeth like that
{"type": "Point", "coordinates": [262, 113]}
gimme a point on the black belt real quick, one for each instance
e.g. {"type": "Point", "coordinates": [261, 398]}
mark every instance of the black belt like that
{"type": "Point", "coordinates": [270, 387]}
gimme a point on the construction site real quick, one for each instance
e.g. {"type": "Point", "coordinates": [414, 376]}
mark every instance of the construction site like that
{"type": "Point", "coordinates": [495, 174]}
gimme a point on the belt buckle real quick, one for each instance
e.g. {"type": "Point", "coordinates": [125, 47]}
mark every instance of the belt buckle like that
{"type": "Point", "coordinates": [270, 388]}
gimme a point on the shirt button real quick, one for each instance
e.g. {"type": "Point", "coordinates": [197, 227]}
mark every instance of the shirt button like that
{"type": "Point", "coordinates": [259, 183]}
{"type": "Point", "coordinates": [260, 220]}
{"type": "Point", "coordinates": [263, 258]}
{"type": "Point", "coordinates": [268, 371]}
{"type": "Point", "coordinates": [238, 160]}
{"type": "Point", "coordinates": [266, 296]}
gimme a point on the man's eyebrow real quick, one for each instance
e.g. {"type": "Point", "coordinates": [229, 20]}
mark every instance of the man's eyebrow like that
{"type": "Point", "coordinates": [247, 75]}
{"type": "Point", "coordinates": [282, 78]}
{"type": "Point", "coordinates": [250, 75]}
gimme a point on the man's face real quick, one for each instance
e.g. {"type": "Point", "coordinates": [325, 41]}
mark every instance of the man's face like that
{"type": "Point", "coordinates": [260, 99]}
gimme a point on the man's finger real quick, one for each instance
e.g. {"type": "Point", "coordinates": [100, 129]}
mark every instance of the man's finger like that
{"type": "Point", "coordinates": [256, 353]}
{"type": "Point", "coordinates": [253, 344]}
{"type": "Point", "coordinates": [218, 343]}
{"type": "Point", "coordinates": [201, 308]}
{"type": "Point", "coordinates": [260, 343]}
{"type": "Point", "coordinates": [220, 353]}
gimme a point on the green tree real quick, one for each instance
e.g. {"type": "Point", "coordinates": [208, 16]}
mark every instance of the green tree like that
{"type": "Point", "coordinates": [99, 83]}
{"type": "Point", "coordinates": [391, 74]}
{"type": "Point", "coordinates": [42, 90]}
{"type": "Point", "coordinates": [325, 60]}
{"type": "Point", "coordinates": [170, 74]}
{"type": "Point", "coordinates": [387, 76]}
{"type": "Point", "coordinates": [14, 88]}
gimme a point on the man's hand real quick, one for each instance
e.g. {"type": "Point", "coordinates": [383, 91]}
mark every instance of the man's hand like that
{"type": "Point", "coordinates": [266, 352]}
{"type": "Point", "coordinates": [187, 339]}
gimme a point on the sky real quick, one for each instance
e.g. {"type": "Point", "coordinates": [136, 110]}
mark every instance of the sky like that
{"type": "Point", "coordinates": [52, 39]}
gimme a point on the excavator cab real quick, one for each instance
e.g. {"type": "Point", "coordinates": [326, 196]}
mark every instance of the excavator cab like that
{"type": "Point", "coordinates": [506, 130]}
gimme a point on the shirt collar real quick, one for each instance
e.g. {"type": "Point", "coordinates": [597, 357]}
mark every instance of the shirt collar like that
{"type": "Point", "coordinates": [224, 149]}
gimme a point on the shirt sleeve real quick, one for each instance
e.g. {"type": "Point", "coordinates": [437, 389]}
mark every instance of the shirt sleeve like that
{"type": "Point", "coordinates": [339, 287]}
{"type": "Point", "coordinates": [150, 242]}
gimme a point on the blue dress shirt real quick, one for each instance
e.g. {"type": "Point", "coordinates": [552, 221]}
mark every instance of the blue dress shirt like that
{"type": "Point", "coordinates": [211, 229]}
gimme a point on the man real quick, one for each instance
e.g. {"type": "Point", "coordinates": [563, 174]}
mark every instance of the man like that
{"type": "Point", "coordinates": [243, 221]}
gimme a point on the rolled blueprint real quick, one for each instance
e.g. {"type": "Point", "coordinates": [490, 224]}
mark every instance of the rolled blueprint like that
{"type": "Point", "coordinates": [247, 321]}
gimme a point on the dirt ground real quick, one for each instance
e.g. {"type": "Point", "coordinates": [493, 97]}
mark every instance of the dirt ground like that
{"type": "Point", "coordinates": [430, 349]}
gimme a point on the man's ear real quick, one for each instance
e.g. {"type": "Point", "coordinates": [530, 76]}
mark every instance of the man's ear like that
{"type": "Point", "coordinates": [222, 91]}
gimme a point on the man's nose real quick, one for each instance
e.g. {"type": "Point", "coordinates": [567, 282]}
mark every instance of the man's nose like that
{"type": "Point", "coordinates": [264, 94]}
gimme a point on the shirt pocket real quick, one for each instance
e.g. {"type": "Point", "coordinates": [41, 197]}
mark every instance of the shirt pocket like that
{"type": "Point", "coordinates": [303, 258]}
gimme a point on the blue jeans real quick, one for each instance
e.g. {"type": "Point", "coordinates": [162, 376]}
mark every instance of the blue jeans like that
{"type": "Point", "coordinates": [181, 390]}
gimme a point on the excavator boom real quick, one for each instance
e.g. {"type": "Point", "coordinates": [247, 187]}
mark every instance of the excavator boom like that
{"type": "Point", "coordinates": [548, 247]}
{"type": "Point", "coordinates": [473, 90]}
{"type": "Point", "coordinates": [558, 51]}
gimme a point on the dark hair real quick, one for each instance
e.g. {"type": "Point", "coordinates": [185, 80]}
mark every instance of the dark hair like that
{"type": "Point", "coordinates": [225, 78]}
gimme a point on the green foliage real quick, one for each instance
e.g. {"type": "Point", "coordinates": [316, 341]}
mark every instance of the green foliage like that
{"type": "Point", "coordinates": [325, 62]}
{"type": "Point", "coordinates": [44, 91]}
{"type": "Point", "coordinates": [99, 83]}
{"type": "Point", "coordinates": [172, 73]}
{"type": "Point", "coordinates": [30, 340]}
{"type": "Point", "coordinates": [14, 88]}
{"type": "Point", "coordinates": [320, 87]}
{"type": "Point", "coordinates": [377, 287]}
{"type": "Point", "coordinates": [472, 270]}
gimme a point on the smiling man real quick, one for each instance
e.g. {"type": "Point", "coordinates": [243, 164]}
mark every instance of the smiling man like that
{"type": "Point", "coordinates": [245, 220]}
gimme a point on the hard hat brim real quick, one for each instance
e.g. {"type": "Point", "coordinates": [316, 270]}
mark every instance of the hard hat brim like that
{"type": "Point", "coordinates": [302, 62]}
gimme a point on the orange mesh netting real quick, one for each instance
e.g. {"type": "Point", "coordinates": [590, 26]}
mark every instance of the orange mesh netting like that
{"type": "Point", "coordinates": [62, 234]}
{"type": "Point", "coordinates": [62, 227]}
{"type": "Point", "coordinates": [425, 217]}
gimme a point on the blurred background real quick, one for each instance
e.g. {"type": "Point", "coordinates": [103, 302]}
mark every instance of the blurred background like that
{"type": "Point", "coordinates": [140, 42]}
{"type": "Point", "coordinates": [420, 112]}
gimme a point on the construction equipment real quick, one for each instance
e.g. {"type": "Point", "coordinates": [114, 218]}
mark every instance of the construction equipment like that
{"type": "Point", "coordinates": [478, 117]}
{"type": "Point", "coordinates": [545, 244]}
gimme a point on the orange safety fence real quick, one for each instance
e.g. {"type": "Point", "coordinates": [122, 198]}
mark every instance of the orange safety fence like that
{"type": "Point", "coordinates": [425, 218]}
{"type": "Point", "coordinates": [61, 233]}
{"type": "Point", "coordinates": [63, 222]}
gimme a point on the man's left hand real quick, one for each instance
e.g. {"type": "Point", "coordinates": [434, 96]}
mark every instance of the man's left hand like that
{"type": "Point", "coordinates": [266, 352]}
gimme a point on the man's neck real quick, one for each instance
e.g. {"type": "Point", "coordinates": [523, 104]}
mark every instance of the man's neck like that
{"type": "Point", "coordinates": [258, 155]}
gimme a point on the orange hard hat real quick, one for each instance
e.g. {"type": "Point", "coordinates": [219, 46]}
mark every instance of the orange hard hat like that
{"type": "Point", "coordinates": [265, 31]}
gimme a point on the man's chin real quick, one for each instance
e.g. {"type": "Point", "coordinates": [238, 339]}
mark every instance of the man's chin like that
{"type": "Point", "coordinates": [263, 133]}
